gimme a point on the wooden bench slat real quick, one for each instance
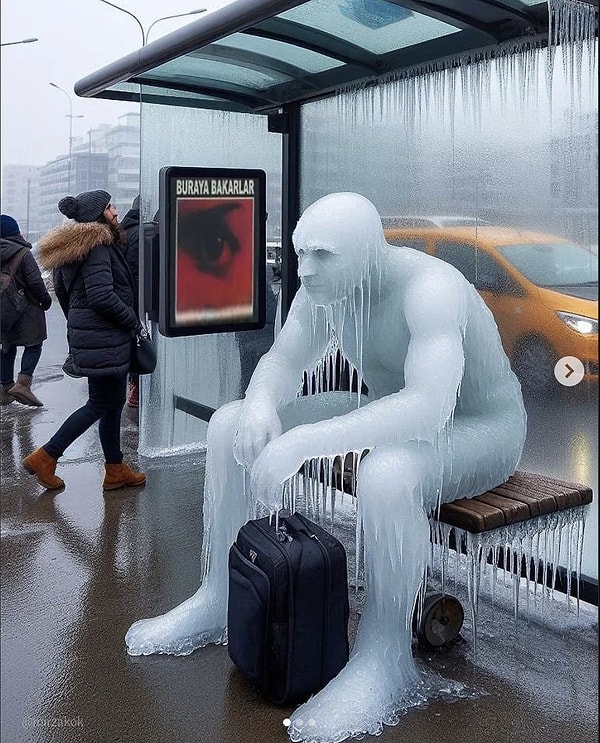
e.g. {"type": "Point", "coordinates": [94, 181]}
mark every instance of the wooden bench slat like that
{"type": "Point", "coordinates": [576, 493]}
{"type": "Point", "coordinates": [513, 510]}
{"type": "Point", "coordinates": [523, 496]}
{"type": "Point", "coordinates": [565, 497]}
{"type": "Point", "coordinates": [471, 515]}
{"type": "Point", "coordinates": [547, 503]}
{"type": "Point", "coordinates": [542, 488]}
{"type": "Point", "coordinates": [535, 504]}
{"type": "Point", "coordinates": [528, 477]}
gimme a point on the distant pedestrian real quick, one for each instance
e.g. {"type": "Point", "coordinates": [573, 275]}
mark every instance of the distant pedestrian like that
{"type": "Point", "coordinates": [96, 291]}
{"type": "Point", "coordinates": [131, 227]}
{"type": "Point", "coordinates": [29, 331]}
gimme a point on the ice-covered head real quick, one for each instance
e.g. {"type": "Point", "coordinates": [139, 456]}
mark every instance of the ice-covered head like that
{"type": "Point", "coordinates": [338, 240]}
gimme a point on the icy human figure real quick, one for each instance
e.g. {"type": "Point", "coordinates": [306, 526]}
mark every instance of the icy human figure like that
{"type": "Point", "coordinates": [443, 418]}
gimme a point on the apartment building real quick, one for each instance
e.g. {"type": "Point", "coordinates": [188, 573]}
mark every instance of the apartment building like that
{"type": "Point", "coordinates": [20, 192]}
{"type": "Point", "coordinates": [107, 158]}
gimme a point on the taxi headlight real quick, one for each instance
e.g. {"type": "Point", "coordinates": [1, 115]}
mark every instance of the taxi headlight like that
{"type": "Point", "coordinates": [579, 323]}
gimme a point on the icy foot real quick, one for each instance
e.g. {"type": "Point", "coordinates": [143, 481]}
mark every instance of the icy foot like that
{"type": "Point", "coordinates": [367, 694]}
{"type": "Point", "coordinates": [197, 622]}
{"type": "Point", "coordinates": [359, 700]}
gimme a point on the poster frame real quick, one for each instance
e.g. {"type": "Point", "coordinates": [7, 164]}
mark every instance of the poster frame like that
{"type": "Point", "coordinates": [170, 323]}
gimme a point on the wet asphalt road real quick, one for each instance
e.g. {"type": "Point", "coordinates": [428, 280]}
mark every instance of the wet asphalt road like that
{"type": "Point", "coordinates": [77, 568]}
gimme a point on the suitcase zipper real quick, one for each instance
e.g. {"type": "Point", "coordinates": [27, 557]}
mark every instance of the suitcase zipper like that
{"type": "Point", "coordinates": [327, 560]}
{"type": "Point", "coordinates": [325, 603]}
{"type": "Point", "coordinates": [288, 562]}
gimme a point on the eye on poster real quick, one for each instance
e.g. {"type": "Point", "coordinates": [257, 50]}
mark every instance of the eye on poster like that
{"type": "Point", "coordinates": [213, 250]}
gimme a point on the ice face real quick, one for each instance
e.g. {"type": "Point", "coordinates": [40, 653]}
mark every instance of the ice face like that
{"type": "Point", "coordinates": [337, 240]}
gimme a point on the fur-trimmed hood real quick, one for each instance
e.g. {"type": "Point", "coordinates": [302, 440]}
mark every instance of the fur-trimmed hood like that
{"type": "Point", "coordinates": [71, 243]}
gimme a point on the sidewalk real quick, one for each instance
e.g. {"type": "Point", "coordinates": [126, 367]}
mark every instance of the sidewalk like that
{"type": "Point", "coordinates": [79, 567]}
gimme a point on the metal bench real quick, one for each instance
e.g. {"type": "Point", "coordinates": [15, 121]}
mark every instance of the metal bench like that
{"type": "Point", "coordinates": [472, 525]}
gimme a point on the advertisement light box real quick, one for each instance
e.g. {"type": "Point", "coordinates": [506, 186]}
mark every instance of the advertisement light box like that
{"type": "Point", "coordinates": [212, 225]}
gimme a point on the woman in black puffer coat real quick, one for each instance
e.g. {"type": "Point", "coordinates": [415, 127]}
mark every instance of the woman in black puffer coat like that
{"type": "Point", "coordinates": [95, 288]}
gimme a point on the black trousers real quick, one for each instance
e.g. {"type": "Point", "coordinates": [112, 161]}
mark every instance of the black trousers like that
{"type": "Point", "coordinates": [106, 398]}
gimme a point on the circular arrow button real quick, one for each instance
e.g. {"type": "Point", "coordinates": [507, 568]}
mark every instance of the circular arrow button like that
{"type": "Point", "coordinates": [569, 371]}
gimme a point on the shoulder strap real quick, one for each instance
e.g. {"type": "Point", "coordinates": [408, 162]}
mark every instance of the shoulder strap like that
{"type": "Point", "coordinates": [13, 264]}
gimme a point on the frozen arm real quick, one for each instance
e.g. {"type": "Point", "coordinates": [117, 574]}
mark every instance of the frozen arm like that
{"type": "Point", "coordinates": [433, 371]}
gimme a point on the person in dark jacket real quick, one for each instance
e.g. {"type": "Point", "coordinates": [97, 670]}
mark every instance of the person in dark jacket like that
{"type": "Point", "coordinates": [131, 250]}
{"type": "Point", "coordinates": [131, 247]}
{"type": "Point", "coordinates": [96, 291]}
{"type": "Point", "coordinates": [30, 330]}
{"type": "Point", "coordinates": [253, 344]}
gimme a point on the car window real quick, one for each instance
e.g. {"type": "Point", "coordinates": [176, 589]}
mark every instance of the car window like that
{"type": "Point", "coordinates": [409, 242]}
{"type": "Point", "coordinates": [553, 264]}
{"type": "Point", "coordinates": [476, 266]}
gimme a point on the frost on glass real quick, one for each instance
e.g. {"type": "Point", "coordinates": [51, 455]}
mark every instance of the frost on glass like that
{"type": "Point", "coordinates": [505, 139]}
{"type": "Point", "coordinates": [440, 416]}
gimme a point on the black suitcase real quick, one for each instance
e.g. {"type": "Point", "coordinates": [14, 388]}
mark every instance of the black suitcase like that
{"type": "Point", "coordinates": [287, 617]}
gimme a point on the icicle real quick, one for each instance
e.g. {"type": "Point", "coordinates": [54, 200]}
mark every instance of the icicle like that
{"type": "Point", "coordinates": [494, 575]}
{"type": "Point", "coordinates": [358, 547]}
{"type": "Point", "coordinates": [471, 587]}
{"type": "Point", "coordinates": [516, 581]}
{"type": "Point", "coordinates": [580, 534]}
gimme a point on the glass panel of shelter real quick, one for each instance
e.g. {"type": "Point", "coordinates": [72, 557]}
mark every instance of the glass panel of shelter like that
{"type": "Point", "coordinates": [306, 59]}
{"type": "Point", "coordinates": [374, 25]}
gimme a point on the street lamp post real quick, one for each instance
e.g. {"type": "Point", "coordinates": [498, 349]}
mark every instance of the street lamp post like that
{"type": "Point", "coordinates": [177, 15]}
{"type": "Point", "coordinates": [70, 117]}
{"type": "Point", "coordinates": [23, 41]}
{"type": "Point", "coordinates": [28, 201]}
{"type": "Point", "coordinates": [158, 20]}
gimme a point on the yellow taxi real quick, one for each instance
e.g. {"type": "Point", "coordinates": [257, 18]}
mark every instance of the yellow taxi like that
{"type": "Point", "coordinates": [541, 289]}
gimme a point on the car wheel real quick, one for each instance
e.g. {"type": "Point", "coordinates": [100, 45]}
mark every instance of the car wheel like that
{"type": "Point", "coordinates": [440, 621]}
{"type": "Point", "coordinates": [534, 366]}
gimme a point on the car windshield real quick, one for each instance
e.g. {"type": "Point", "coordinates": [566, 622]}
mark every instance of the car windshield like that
{"type": "Point", "coordinates": [553, 264]}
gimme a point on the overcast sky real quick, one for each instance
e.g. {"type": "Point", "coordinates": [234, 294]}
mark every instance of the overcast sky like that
{"type": "Point", "coordinates": [76, 37]}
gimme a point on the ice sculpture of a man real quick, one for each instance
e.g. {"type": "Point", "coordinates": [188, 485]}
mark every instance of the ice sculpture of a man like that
{"type": "Point", "coordinates": [443, 418]}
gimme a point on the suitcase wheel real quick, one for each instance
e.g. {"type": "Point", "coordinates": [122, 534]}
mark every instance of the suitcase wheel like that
{"type": "Point", "coordinates": [441, 620]}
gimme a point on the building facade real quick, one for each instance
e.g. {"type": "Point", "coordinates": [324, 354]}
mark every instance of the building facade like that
{"type": "Point", "coordinates": [108, 158]}
{"type": "Point", "coordinates": [20, 194]}
{"type": "Point", "coordinates": [122, 144]}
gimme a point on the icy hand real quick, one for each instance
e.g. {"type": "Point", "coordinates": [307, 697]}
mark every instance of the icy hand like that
{"type": "Point", "coordinates": [278, 461]}
{"type": "Point", "coordinates": [257, 427]}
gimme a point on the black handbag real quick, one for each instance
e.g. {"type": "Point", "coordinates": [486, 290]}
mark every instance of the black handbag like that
{"type": "Point", "coordinates": [143, 353]}
{"type": "Point", "coordinates": [70, 369]}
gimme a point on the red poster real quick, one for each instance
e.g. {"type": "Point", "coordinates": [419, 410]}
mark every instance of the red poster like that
{"type": "Point", "coordinates": [214, 264]}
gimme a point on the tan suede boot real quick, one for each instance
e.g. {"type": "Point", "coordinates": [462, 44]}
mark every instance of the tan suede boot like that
{"type": "Point", "coordinates": [43, 466]}
{"type": "Point", "coordinates": [21, 391]}
{"type": "Point", "coordinates": [121, 476]}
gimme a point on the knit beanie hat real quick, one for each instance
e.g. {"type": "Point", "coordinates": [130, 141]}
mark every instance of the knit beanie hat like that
{"type": "Point", "coordinates": [9, 226]}
{"type": "Point", "coordinates": [87, 207]}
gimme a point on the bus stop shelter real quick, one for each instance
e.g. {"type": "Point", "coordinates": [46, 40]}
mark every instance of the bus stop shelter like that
{"type": "Point", "coordinates": [339, 85]}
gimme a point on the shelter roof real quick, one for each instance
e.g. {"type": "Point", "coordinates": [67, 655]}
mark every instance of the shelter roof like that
{"type": "Point", "coordinates": [257, 56]}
